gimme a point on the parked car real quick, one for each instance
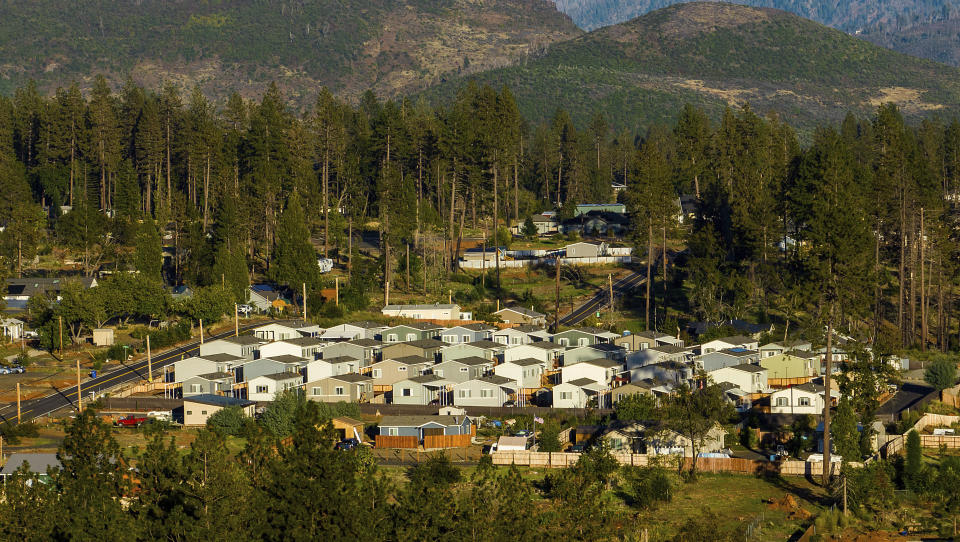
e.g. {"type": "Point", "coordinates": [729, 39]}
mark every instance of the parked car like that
{"type": "Point", "coordinates": [347, 444]}
{"type": "Point", "coordinates": [510, 403]}
{"type": "Point", "coordinates": [130, 421]}
{"type": "Point", "coordinates": [523, 433]}
{"type": "Point", "coordinates": [163, 415]}
{"type": "Point", "coordinates": [578, 448]}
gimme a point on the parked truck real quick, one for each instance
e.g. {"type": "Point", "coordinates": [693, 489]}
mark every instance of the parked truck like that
{"type": "Point", "coordinates": [130, 420]}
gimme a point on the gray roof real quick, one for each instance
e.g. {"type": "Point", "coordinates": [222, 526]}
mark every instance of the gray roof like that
{"type": "Point", "coordinates": [418, 421]}
{"type": "Point", "coordinates": [582, 382]}
{"type": "Point", "coordinates": [282, 376]}
{"type": "Point", "coordinates": [524, 311]}
{"type": "Point", "coordinates": [222, 358]}
{"type": "Point", "coordinates": [527, 328]}
{"type": "Point", "coordinates": [426, 379]}
{"type": "Point", "coordinates": [39, 463]}
{"type": "Point", "coordinates": [422, 326]}
{"type": "Point", "coordinates": [366, 324]}
{"type": "Point", "coordinates": [215, 376]}
{"type": "Point", "coordinates": [545, 345]}
{"type": "Point", "coordinates": [477, 326]}
{"type": "Point", "coordinates": [786, 344]}
{"type": "Point", "coordinates": [470, 360]}
{"type": "Point", "coordinates": [525, 362]}
{"type": "Point", "coordinates": [668, 349]}
{"type": "Point", "coordinates": [33, 286]}
{"type": "Point", "coordinates": [366, 342]}
{"type": "Point", "coordinates": [243, 339]}
{"type": "Point", "coordinates": [287, 358]}
{"type": "Point", "coordinates": [339, 359]}
{"type": "Point", "coordinates": [489, 345]}
{"type": "Point", "coordinates": [810, 387]}
{"type": "Point", "coordinates": [497, 379]}
{"type": "Point", "coordinates": [424, 343]}
{"type": "Point", "coordinates": [603, 362]}
{"type": "Point", "coordinates": [217, 400]}
{"type": "Point", "coordinates": [412, 360]}
{"type": "Point", "coordinates": [737, 352]}
{"type": "Point", "coordinates": [305, 341]}
{"type": "Point", "coordinates": [352, 377]}
{"type": "Point", "coordinates": [653, 335]}
{"type": "Point", "coordinates": [748, 368]}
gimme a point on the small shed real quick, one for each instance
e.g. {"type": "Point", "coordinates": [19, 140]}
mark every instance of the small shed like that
{"type": "Point", "coordinates": [348, 428]}
{"type": "Point", "coordinates": [512, 444]}
{"type": "Point", "coordinates": [103, 336]}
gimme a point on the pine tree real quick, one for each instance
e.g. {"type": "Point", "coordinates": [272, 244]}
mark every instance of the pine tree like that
{"type": "Point", "coordinates": [148, 255]}
{"type": "Point", "coordinates": [294, 259]}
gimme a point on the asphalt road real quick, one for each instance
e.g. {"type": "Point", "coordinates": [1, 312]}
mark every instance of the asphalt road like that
{"type": "Point", "coordinates": [602, 298]}
{"type": "Point", "coordinates": [67, 397]}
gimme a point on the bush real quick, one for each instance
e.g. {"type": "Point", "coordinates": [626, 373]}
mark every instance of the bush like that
{"type": "Point", "coordinates": [942, 374]}
{"type": "Point", "coordinates": [649, 487]}
{"type": "Point", "coordinates": [227, 421]}
{"type": "Point", "coordinates": [160, 338]}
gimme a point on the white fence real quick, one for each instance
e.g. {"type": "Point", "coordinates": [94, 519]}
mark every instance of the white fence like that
{"type": "Point", "coordinates": [506, 264]}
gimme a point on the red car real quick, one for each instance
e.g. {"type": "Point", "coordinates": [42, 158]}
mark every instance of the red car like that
{"type": "Point", "coordinates": [130, 421]}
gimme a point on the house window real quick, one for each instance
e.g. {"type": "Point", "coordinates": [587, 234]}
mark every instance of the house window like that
{"type": "Point", "coordinates": [203, 412]}
{"type": "Point", "coordinates": [463, 394]}
{"type": "Point", "coordinates": [516, 340]}
{"type": "Point", "coordinates": [465, 338]}
{"type": "Point", "coordinates": [803, 401]}
{"type": "Point", "coordinates": [783, 401]}
{"type": "Point", "coordinates": [392, 431]}
{"type": "Point", "coordinates": [189, 413]}
{"type": "Point", "coordinates": [402, 368]}
{"type": "Point", "coordinates": [316, 391]}
{"type": "Point", "coordinates": [563, 342]}
{"type": "Point", "coordinates": [486, 393]}
{"type": "Point", "coordinates": [338, 390]}
{"type": "Point", "coordinates": [392, 338]}
{"type": "Point", "coordinates": [449, 338]}
{"type": "Point", "coordinates": [377, 373]}
{"type": "Point", "coordinates": [500, 340]}
{"type": "Point", "coordinates": [194, 388]}
{"type": "Point", "coordinates": [438, 372]}
{"type": "Point", "coordinates": [411, 336]}
{"type": "Point", "coordinates": [583, 342]}
{"type": "Point", "coordinates": [464, 369]}
{"type": "Point", "coordinates": [263, 389]}
{"type": "Point", "coordinates": [406, 392]}
{"type": "Point", "coordinates": [566, 395]}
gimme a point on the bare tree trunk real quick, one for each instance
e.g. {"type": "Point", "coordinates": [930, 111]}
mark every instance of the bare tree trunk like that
{"type": "Point", "coordinates": [516, 189]}
{"type": "Point", "coordinates": [453, 197]}
{"type": "Point", "coordinates": [206, 193]}
{"type": "Point", "coordinates": [923, 288]}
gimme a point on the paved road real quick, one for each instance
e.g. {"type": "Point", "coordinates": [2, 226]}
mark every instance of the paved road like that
{"type": "Point", "coordinates": [602, 299]}
{"type": "Point", "coordinates": [67, 397]}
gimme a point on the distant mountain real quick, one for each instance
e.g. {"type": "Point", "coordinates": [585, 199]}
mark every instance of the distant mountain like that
{"type": "Point", "coordinates": [847, 15]}
{"type": "Point", "coordinates": [938, 40]}
{"type": "Point", "coordinates": [391, 46]}
{"type": "Point", "coordinates": [717, 55]}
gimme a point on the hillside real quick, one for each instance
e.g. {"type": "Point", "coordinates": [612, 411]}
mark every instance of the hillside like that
{"type": "Point", "coordinates": [716, 55]}
{"type": "Point", "coordinates": [390, 46]}
{"type": "Point", "coordinates": [938, 40]}
{"type": "Point", "coordinates": [847, 15]}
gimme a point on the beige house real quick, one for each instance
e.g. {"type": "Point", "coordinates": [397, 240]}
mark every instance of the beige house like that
{"type": "Point", "coordinates": [390, 371]}
{"type": "Point", "coordinates": [351, 388]}
{"type": "Point", "coordinates": [199, 408]}
{"type": "Point", "coordinates": [522, 315]}
{"type": "Point", "coordinates": [427, 312]}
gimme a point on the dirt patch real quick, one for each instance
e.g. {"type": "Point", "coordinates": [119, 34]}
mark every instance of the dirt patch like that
{"type": "Point", "coordinates": [734, 97]}
{"type": "Point", "coordinates": [907, 98]}
{"type": "Point", "coordinates": [789, 505]}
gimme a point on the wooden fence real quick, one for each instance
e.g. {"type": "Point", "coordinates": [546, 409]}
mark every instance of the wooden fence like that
{"type": "Point", "coordinates": [704, 464]}
{"type": "Point", "coordinates": [386, 441]}
{"type": "Point", "coordinates": [780, 383]}
{"type": "Point", "coordinates": [446, 441]}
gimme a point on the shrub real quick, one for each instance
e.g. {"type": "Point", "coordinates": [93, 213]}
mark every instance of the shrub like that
{"type": "Point", "coordinates": [649, 487]}
{"type": "Point", "coordinates": [941, 374]}
{"type": "Point", "coordinates": [227, 421]}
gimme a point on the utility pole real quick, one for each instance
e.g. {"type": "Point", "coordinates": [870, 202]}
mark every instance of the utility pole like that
{"type": "Point", "coordinates": [449, 297]}
{"type": "Point", "coordinates": [304, 301]}
{"type": "Point", "coordinates": [386, 293]}
{"type": "Point", "coordinates": [845, 495]}
{"type": "Point", "coordinates": [201, 330]}
{"type": "Point", "coordinates": [149, 362]}
{"type": "Point", "coordinates": [236, 321]}
{"type": "Point", "coordinates": [336, 282]}
{"type": "Point", "coordinates": [610, 286]}
{"type": "Point", "coordinates": [60, 318]}
{"type": "Point", "coordinates": [18, 402]}
{"type": "Point", "coordinates": [79, 393]}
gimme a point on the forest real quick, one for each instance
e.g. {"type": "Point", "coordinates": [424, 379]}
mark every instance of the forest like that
{"type": "Point", "coordinates": [855, 230]}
